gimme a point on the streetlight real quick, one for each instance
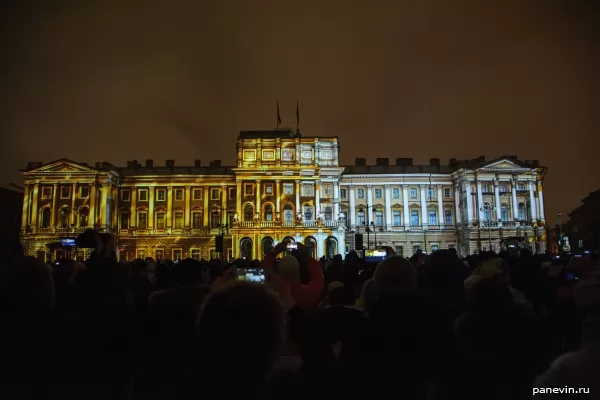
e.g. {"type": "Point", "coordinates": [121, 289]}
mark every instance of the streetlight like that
{"type": "Point", "coordinates": [360, 210]}
{"type": "Point", "coordinates": [491, 209]}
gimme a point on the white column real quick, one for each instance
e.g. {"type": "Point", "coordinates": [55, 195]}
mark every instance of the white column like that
{"type": "Point", "coordinates": [515, 206]}
{"type": "Point", "coordinates": [25, 215]}
{"type": "Point", "coordinates": [317, 199]}
{"type": "Point", "coordinates": [298, 210]}
{"type": "Point", "coordinates": [54, 215]}
{"type": "Point", "coordinates": [457, 218]}
{"type": "Point", "coordinates": [541, 202]}
{"type": "Point", "coordinates": [479, 203]}
{"type": "Point", "coordinates": [441, 221]}
{"type": "Point", "coordinates": [469, 203]}
{"type": "Point", "coordinates": [278, 197]}
{"type": "Point", "coordinates": [336, 205]}
{"type": "Point", "coordinates": [532, 201]}
{"type": "Point", "coordinates": [238, 200]}
{"type": "Point", "coordinates": [388, 208]}
{"type": "Point", "coordinates": [351, 207]}
{"type": "Point", "coordinates": [423, 208]}
{"type": "Point", "coordinates": [497, 199]}
{"type": "Point", "coordinates": [258, 206]}
{"type": "Point", "coordinates": [73, 215]}
{"type": "Point", "coordinates": [405, 217]}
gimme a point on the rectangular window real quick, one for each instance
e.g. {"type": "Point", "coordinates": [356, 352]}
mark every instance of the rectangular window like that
{"type": "Point", "coordinates": [328, 190]}
{"type": "Point", "coordinates": [416, 248]}
{"type": "Point", "coordinates": [268, 188]}
{"type": "Point", "coordinates": [448, 217]}
{"type": "Point", "coordinates": [307, 190]}
{"type": "Point", "coordinates": [396, 193]}
{"type": "Point", "coordinates": [378, 218]}
{"type": "Point", "coordinates": [197, 220]}
{"type": "Point", "coordinates": [232, 193]}
{"type": "Point", "coordinates": [215, 194]}
{"type": "Point", "coordinates": [503, 188]}
{"type": "Point", "coordinates": [377, 193]}
{"type": "Point", "coordinates": [142, 220]}
{"type": "Point", "coordinates": [248, 189]}
{"type": "Point", "coordinates": [177, 254]}
{"type": "Point", "coordinates": [159, 254]}
{"type": "Point", "coordinates": [84, 192]}
{"type": "Point", "coordinates": [288, 188]}
{"type": "Point", "coordinates": [46, 193]}
{"type": "Point", "coordinates": [430, 193]}
{"type": "Point", "coordinates": [447, 193]}
{"type": "Point", "coordinates": [140, 253]}
{"type": "Point", "coordinates": [521, 186]}
{"type": "Point", "coordinates": [196, 254]}
{"type": "Point", "coordinates": [178, 194]}
{"type": "Point", "coordinates": [432, 217]}
{"type": "Point", "coordinates": [143, 195]}
{"type": "Point", "coordinates": [414, 218]}
{"type": "Point", "coordinates": [360, 193]}
{"type": "Point", "coordinates": [125, 195]}
{"type": "Point", "coordinates": [214, 220]}
{"type": "Point", "coordinates": [197, 194]}
{"type": "Point", "coordinates": [161, 195]}
{"type": "Point", "coordinates": [343, 194]}
{"type": "Point", "coordinates": [360, 218]}
{"type": "Point", "coordinates": [397, 220]}
{"type": "Point", "coordinates": [65, 192]}
{"type": "Point", "coordinates": [124, 221]}
{"type": "Point", "coordinates": [434, 247]}
{"type": "Point", "coordinates": [413, 193]}
{"type": "Point", "coordinates": [179, 220]}
{"type": "Point", "coordinates": [160, 220]}
{"type": "Point", "coordinates": [399, 250]}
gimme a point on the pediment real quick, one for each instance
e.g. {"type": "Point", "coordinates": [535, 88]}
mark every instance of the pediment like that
{"type": "Point", "coordinates": [63, 166]}
{"type": "Point", "coordinates": [503, 164]}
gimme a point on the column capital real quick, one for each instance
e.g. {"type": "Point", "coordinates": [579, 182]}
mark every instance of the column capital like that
{"type": "Point", "coordinates": [278, 181]}
{"type": "Point", "coordinates": [238, 181]}
{"type": "Point", "coordinates": [422, 186]}
{"type": "Point", "coordinates": [297, 180]}
{"type": "Point", "coordinates": [439, 186]}
{"type": "Point", "coordinates": [351, 186]}
{"type": "Point", "coordinates": [368, 185]}
{"type": "Point", "coordinates": [258, 180]}
{"type": "Point", "coordinates": [387, 185]}
{"type": "Point", "coordinates": [222, 185]}
{"type": "Point", "coordinates": [170, 187]}
{"type": "Point", "coordinates": [55, 184]}
{"type": "Point", "coordinates": [188, 187]}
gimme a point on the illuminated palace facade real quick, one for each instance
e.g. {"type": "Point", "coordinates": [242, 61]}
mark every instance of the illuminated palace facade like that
{"type": "Point", "coordinates": [284, 185]}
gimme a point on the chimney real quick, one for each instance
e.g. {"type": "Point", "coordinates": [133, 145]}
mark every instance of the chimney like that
{"type": "Point", "coordinates": [170, 163]}
{"type": "Point", "coordinates": [215, 163]}
{"type": "Point", "coordinates": [361, 162]}
{"type": "Point", "coordinates": [434, 162]}
{"type": "Point", "coordinates": [404, 162]}
{"type": "Point", "coordinates": [129, 164]}
{"type": "Point", "coordinates": [382, 162]}
{"type": "Point", "coordinates": [149, 163]}
{"type": "Point", "coordinates": [197, 163]}
{"type": "Point", "coordinates": [453, 161]}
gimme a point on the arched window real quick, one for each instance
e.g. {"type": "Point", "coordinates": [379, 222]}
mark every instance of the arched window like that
{"type": "Point", "coordinates": [45, 219]}
{"type": "Point", "coordinates": [522, 212]}
{"type": "Point", "coordinates": [65, 216]}
{"type": "Point", "coordinates": [267, 246]}
{"type": "Point", "coordinates": [328, 214]}
{"type": "Point", "coordinates": [248, 213]}
{"type": "Point", "coordinates": [308, 213]}
{"type": "Point", "coordinates": [268, 212]}
{"type": "Point", "coordinates": [288, 213]}
{"type": "Point", "coordinates": [504, 212]}
{"type": "Point", "coordinates": [84, 216]}
{"type": "Point", "coordinates": [246, 248]}
{"type": "Point", "coordinates": [486, 212]}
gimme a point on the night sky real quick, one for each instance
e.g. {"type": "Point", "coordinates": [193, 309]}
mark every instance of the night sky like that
{"type": "Point", "coordinates": [123, 80]}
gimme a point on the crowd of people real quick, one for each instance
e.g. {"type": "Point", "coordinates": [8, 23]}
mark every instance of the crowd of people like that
{"type": "Point", "coordinates": [432, 327]}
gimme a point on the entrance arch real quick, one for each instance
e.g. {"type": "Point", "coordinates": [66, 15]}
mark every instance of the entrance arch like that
{"type": "Point", "coordinates": [311, 245]}
{"type": "Point", "coordinates": [246, 248]}
{"type": "Point", "coordinates": [331, 245]}
{"type": "Point", "coordinates": [267, 245]}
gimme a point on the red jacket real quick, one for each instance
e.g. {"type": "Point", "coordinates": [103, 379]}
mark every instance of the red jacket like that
{"type": "Point", "coordinates": [306, 296]}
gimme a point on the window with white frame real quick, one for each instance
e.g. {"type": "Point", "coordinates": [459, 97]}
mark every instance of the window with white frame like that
{"type": "Point", "coordinates": [414, 218]}
{"type": "Point", "coordinates": [196, 254]}
{"type": "Point", "coordinates": [430, 193]}
{"type": "Point", "coordinates": [343, 193]}
{"type": "Point", "coordinates": [396, 193]}
{"type": "Point", "coordinates": [65, 192]}
{"type": "Point", "coordinates": [397, 218]}
{"type": "Point", "coordinates": [197, 222]}
{"type": "Point", "coordinates": [178, 220]}
{"type": "Point", "coordinates": [197, 194]}
{"type": "Point", "coordinates": [143, 194]}
{"type": "Point", "coordinates": [160, 220]}
{"type": "Point", "coordinates": [161, 195]}
{"type": "Point", "coordinates": [178, 194]}
{"type": "Point", "coordinates": [447, 193]}
{"type": "Point", "coordinates": [413, 193]}
{"type": "Point", "coordinates": [288, 188]}
{"type": "Point", "coordinates": [378, 193]}
{"type": "Point", "coordinates": [448, 217]}
{"type": "Point", "coordinates": [142, 217]}
{"type": "Point", "coordinates": [360, 193]}
{"type": "Point", "coordinates": [46, 192]}
{"type": "Point", "coordinates": [432, 217]}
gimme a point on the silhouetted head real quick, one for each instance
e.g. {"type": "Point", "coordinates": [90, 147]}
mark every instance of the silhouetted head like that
{"type": "Point", "coordinates": [189, 272]}
{"type": "Point", "coordinates": [242, 326]}
{"type": "Point", "coordinates": [395, 277]}
{"type": "Point", "coordinates": [489, 296]}
{"type": "Point", "coordinates": [289, 268]}
{"type": "Point", "coordinates": [29, 284]}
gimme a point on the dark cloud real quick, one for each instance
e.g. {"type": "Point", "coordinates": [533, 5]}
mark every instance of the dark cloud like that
{"type": "Point", "coordinates": [114, 80]}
